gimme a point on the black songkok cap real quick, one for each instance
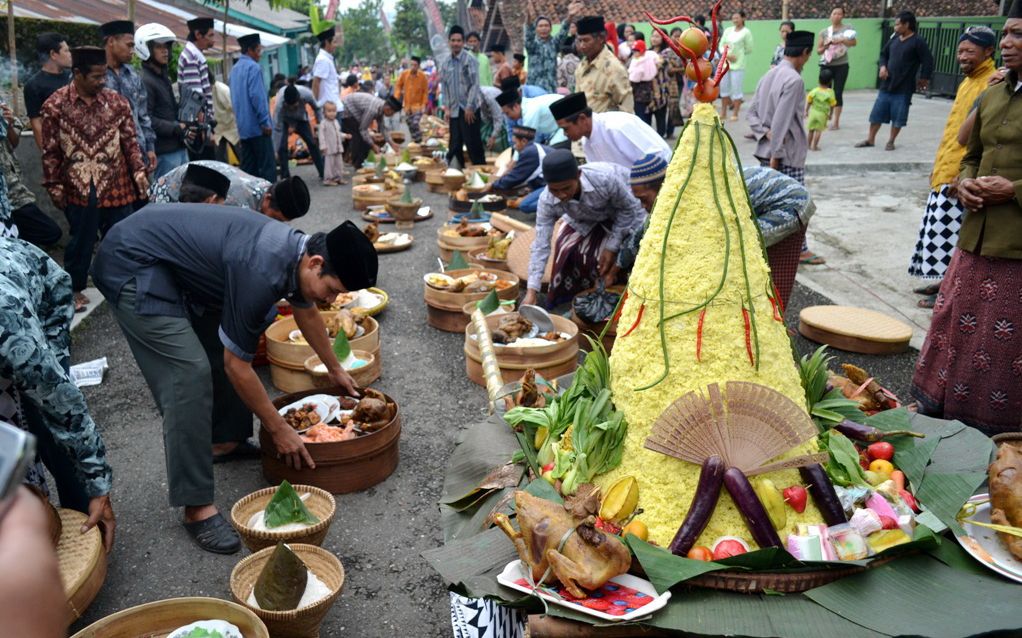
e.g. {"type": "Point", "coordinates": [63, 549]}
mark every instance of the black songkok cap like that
{"type": "Point", "coordinates": [117, 27]}
{"type": "Point", "coordinates": [207, 178]}
{"type": "Point", "coordinates": [510, 83]}
{"type": "Point", "coordinates": [520, 57]}
{"type": "Point", "coordinates": [509, 97]}
{"type": "Point", "coordinates": [200, 24]}
{"type": "Point", "coordinates": [352, 256]}
{"type": "Point", "coordinates": [248, 41]}
{"type": "Point", "coordinates": [1016, 10]}
{"type": "Point", "coordinates": [84, 57]}
{"type": "Point", "coordinates": [569, 105]}
{"type": "Point", "coordinates": [798, 40]}
{"type": "Point", "coordinates": [591, 24]}
{"type": "Point", "coordinates": [559, 165]}
{"type": "Point", "coordinates": [292, 197]}
{"type": "Point", "coordinates": [328, 35]}
{"type": "Point", "coordinates": [394, 103]}
{"type": "Point", "coordinates": [526, 132]}
{"type": "Point", "coordinates": [291, 94]}
{"type": "Point", "coordinates": [498, 48]}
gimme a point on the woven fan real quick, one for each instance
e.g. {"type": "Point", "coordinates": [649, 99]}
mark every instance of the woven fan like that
{"type": "Point", "coordinates": [747, 426]}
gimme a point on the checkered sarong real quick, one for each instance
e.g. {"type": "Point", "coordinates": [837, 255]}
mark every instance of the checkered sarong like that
{"type": "Point", "coordinates": [938, 235]}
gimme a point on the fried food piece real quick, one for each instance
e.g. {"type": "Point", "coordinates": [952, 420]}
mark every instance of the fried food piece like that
{"type": "Point", "coordinates": [303, 417]}
{"type": "Point", "coordinates": [529, 396]}
{"type": "Point", "coordinates": [1005, 475]}
{"type": "Point", "coordinates": [372, 231]}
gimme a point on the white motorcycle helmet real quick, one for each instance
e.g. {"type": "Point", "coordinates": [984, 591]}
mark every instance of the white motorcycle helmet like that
{"type": "Point", "coordinates": [151, 32]}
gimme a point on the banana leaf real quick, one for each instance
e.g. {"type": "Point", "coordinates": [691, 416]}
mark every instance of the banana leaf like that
{"type": "Point", "coordinates": [457, 261]}
{"type": "Point", "coordinates": [285, 507]}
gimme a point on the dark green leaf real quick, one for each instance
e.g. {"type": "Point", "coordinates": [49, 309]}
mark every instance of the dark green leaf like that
{"type": "Point", "coordinates": [952, 555]}
{"type": "Point", "coordinates": [489, 303]}
{"type": "Point", "coordinates": [341, 346]}
{"type": "Point", "coordinates": [945, 494]}
{"type": "Point", "coordinates": [457, 261]}
{"type": "Point", "coordinates": [843, 466]}
{"type": "Point", "coordinates": [287, 507]}
{"type": "Point", "coordinates": [664, 569]}
{"type": "Point", "coordinates": [541, 489]}
{"type": "Point", "coordinates": [919, 595]}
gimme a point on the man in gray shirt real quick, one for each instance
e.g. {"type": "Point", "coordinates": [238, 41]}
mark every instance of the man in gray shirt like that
{"type": "Point", "coordinates": [290, 113]}
{"type": "Point", "coordinates": [193, 286]}
{"type": "Point", "coordinates": [459, 77]}
{"type": "Point", "coordinates": [598, 211]}
{"type": "Point", "coordinates": [777, 115]}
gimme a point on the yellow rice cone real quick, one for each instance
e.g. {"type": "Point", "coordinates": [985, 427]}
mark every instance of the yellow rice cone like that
{"type": "Point", "coordinates": [695, 261]}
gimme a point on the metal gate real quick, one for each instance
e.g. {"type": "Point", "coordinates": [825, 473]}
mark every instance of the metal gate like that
{"type": "Point", "coordinates": [941, 35]}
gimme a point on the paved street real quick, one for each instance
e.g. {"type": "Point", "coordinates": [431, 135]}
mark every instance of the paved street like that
{"type": "Point", "coordinates": [866, 226]}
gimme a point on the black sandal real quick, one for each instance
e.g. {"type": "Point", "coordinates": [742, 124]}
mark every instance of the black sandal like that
{"type": "Point", "coordinates": [245, 450]}
{"type": "Point", "coordinates": [214, 534]}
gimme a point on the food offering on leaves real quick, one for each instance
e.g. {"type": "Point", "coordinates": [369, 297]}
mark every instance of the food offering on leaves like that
{"type": "Point", "coordinates": [513, 329]}
{"type": "Point", "coordinates": [368, 414]}
{"type": "Point", "coordinates": [286, 583]}
{"type": "Point", "coordinates": [286, 512]}
{"type": "Point", "coordinates": [207, 629]}
{"type": "Point", "coordinates": [497, 247]}
{"type": "Point", "coordinates": [586, 560]}
{"type": "Point", "coordinates": [470, 283]}
{"type": "Point", "coordinates": [858, 385]}
{"type": "Point", "coordinates": [342, 300]}
{"type": "Point", "coordinates": [465, 229]}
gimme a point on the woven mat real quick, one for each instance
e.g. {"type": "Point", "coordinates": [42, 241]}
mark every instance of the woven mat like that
{"type": "Point", "coordinates": [78, 553]}
{"type": "Point", "coordinates": [858, 323]}
{"type": "Point", "coordinates": [520, 251]}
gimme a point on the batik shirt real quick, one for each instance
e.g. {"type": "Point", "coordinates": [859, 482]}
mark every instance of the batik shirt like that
{"type": "Point", "coordinates": [36, 307]}
{"type": "Point", "coordinates": [246, 190]}
{"type": "Point", "coordinates": [605, 83]}
{"type": "Point", "coordinates": [542, 55]}
{"type": "Point", "coordinates": [18, 194]}
{"type": "Point", "coordinates": [91, 144]}
{"type": "Point", "coordinates": [128, 83]}
{"type": "Point", "coordinates": [606, 199]}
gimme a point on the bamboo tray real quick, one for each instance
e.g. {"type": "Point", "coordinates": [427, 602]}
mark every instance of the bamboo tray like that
{"type": "Point", "coordinates": [83, 563]}
{"type": "Point", "coordinates": [158, 619]}
{"type": "Point", "coordinates": [854, 329]}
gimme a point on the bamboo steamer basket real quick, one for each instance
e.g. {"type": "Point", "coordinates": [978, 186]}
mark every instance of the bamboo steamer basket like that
{"type": "Point", "coordinates": [296, 623]}
{"type": "Point", "coordinates": [470, 307]}
{"type": "Point", "coordinates": [459, 242]}
{"type": "Point", "coordinates": [320, 502]}
{"type": "Point", "coordinates": [453, 182]}
{"type": "Point", "coordinates": [287, 360]}
{"type": "Point", "coordinates": [363, 376]}
{"type": "Point", "coordinates": [444, 310]}
{"type": "Point", "coordinates": [594, 329]}
{"type": "Point", "coordinates": [158, 619]}
{"type": "Point", "coordinates": [549, 361]}
{"type": "Point", "coordinates": [402, 211]}
{"type": "Point", "coordinates": [367, 178]}
{"type": "Point", "coordinates": [363, 200]}
{"type": "Point", "coordinates": [343, 466]}
{"type": "Point", "coordinates": [82, 561]}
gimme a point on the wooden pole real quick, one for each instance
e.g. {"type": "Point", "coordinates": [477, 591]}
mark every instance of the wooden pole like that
{"type": "Point", "coordinates": [785, 10]}
{"type": "Point", "coordinates": [14, 57]}
{"type": "Point", "coordinates": [131, 10]}
{"type": "Point", "coordinates": [223, 47]}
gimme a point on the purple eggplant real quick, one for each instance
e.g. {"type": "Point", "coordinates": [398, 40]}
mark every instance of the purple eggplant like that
{"type": "Point", "coordinates": [704, 501]}
{"type": "Point", "coordinates": [755, 515]}
{"type": "Point", "coordinates": [870, 434]}
{"type": "Point", "coordinates": [822, 491]}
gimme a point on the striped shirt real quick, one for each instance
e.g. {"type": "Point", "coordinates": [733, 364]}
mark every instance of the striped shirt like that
{"type": "Point", "coordinates": [365, 108]}
{"type": "Point", "coordinates": [460, 78]}
{"type": "Point", "coordinates": [193, 72]}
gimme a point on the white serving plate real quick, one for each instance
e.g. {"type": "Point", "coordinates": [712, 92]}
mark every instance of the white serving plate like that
{"type": "Point", "coordinates": [327, 407]}
{"type": "Point", "coordinates": [515, 570]}
{"type": "Point", "coordinates": [985, 545]}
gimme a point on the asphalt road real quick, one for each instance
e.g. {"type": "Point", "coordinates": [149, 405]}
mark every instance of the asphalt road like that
{"type": "Point", "coordinates": [378, 534]}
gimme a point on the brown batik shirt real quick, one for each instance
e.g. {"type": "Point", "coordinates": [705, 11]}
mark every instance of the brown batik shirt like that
{"type": "Point", "coordinates": [91, 145]}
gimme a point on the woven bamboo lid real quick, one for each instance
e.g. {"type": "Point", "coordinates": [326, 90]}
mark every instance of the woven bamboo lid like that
{"type": "Point", "coordinates": [854, 329]}
{"type": "Point", "coordinates": [520, 252]}
{"type": "Point", "coordinates": [82, 562]}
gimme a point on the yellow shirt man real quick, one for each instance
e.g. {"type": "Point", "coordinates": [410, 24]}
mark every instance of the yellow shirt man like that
{"type": "Point", "coordinates": [605, 83]}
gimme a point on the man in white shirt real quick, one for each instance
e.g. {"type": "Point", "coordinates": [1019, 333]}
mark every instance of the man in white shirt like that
{"type": "Point", "coordinates": [615, 136]}
{"type": "Point", "coordinates": [326, 85]}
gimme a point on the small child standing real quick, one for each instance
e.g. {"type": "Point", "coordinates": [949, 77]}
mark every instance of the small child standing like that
{"type": "Point", "coordinates": [819, 102]}
{"type": "Point", "coordinates": [331, 144]}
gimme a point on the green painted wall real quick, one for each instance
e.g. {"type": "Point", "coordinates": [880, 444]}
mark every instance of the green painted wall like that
{"type": "Point", "coordinates": [862, 60]}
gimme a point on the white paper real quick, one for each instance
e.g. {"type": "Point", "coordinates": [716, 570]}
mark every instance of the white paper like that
{"type": "Point", "coordinates": [89, 373]}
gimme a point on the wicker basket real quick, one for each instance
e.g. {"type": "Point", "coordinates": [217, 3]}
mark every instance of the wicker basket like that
{"type": "Point", "coordinates": [363, 376]}
{"type": "Point", "coordinates": [453, 182]}
{"type": "Point", "coordinates": [297, 623]}
{"type": "Point", "coordinates": [397, 137]}
{"type": "Point", "coordinates": [82, 560]}
{"type": "Point", "coordinates": [549, 361]}
{"type": "Point", "coordinates": [786, 582]}
{"type": "Point", "coordinates": [321, 503]}
{"type": "Point", "coordinates": [444, 310]}
{"type": "Point", "coordinates": [158, 619]}
{"type": "Point", "coordinates": [404, 211]}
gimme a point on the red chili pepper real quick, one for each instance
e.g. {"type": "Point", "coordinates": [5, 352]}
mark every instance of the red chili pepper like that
{"type": "Point", "coordinates": [716, 24]}
{"type": "Point", "coordinates": [638, 318]}
{"type": "Point", "coordinates": [722, 68]}
{"type": "Point", "coordinates": [773, 305]}
{"type": "Point", "coordinates": [777, 295]}
{"type": "Point", "coordinates": [620, 308]}
{"type": "Point", "coordinates": [699, 336]}
{"type": "Point", "coordinates": [668, 21]}
{"type": "Point", "coordinates": [748, 334]}
{"type": "Point", "coordinates": [674, 46]}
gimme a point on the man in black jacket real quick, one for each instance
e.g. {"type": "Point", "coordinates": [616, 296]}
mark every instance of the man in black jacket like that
{"type": "Point", "coordinates": [152, 44]}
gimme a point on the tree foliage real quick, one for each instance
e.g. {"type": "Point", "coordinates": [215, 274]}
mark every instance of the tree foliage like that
{"type": "Point", "coordinates": [364, 39]}
{"type": "Point", "coordinates": [409, 35]}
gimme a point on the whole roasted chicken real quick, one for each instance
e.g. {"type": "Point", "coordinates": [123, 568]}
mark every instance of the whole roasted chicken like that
{"type": "Point", "coordinates": [589, 557]}
{"type": "Point", "coordinates": [1005, 475]}
{"type": "Point", "coordinates": [510, 327]}
{"type": "Point", "coordinates": [373, 411]}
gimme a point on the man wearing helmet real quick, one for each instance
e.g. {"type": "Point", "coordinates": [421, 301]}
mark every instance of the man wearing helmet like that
{"type": "Point", "coordinates": [152, 45]}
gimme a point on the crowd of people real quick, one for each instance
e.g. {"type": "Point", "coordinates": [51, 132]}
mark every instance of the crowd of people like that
{"type": "Point", "coordinates": [180, 182]}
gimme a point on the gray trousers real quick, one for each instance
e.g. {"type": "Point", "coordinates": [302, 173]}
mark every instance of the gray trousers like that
{"type": "Point", "coordinates": [182, 361]}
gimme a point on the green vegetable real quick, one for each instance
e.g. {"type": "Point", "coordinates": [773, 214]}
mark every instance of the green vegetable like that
{"type": "Point", "coordinates": [457, 261]}
{"type": "Point", "coordinates": [287, 507]}
{"type": "Point", "coordinates": [406, 197]}
{"type": "Point", "coordinates": [828, 408]}
{"type": "Point", "coordinates": [199, 632]}
{"type": "Point", "coordinates": [843, 466]}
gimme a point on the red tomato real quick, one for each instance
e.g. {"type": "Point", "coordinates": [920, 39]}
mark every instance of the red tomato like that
{"type": "Point", "coordinates": [707, 91]}
{"type": "Point", "coordinates": [727, 549]}
{"type": "Point", "coordinates": [881, 450]}
{"type": "Point", "coordinates": [704, 70]}
{"type": "Point", "coordinates": [695, 40]}
{"type": "Point", "coordinates": [700, 553]}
